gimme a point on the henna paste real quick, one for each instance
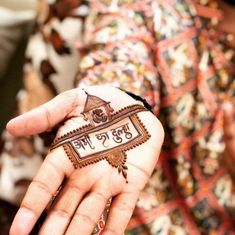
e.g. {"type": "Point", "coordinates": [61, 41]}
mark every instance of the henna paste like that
{"type": "Point", "coordinates": [108, 135]}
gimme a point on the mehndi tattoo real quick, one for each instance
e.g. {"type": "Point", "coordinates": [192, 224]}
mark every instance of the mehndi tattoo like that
{"type": "Point", "coordinates": [113, 133]}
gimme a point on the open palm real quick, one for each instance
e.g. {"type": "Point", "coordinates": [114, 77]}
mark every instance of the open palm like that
{"type": "Point", "coordinates": [88, 188]}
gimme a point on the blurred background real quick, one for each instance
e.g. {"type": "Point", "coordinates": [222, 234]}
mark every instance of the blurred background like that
{"type": "Point", "coordinates": [14, 5]}
{"type": "Point", "coordinates": [16, 23]}
{"type": "Point", "coordinates": [38, 60]}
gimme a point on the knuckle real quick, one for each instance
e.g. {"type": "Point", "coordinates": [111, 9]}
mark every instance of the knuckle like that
{"type": "Point", "coordinates": [61, 212]}
{"type": "Point", "coordinates": [85, 219]}
{"type": "Point", "coordinates": [76, 188]}
{"type": "Point", "coordinates": [29, 207]}
{"type": "Point", "coordinates": [126, 208]}
{"type": "Point", "coordinates": [56, 169]}
{"type": "Point", "coordinates": [42, 186]}
{"type": "Point", "coordinates": [100, 196]}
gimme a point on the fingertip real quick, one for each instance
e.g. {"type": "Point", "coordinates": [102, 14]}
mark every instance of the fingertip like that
{"type": "Point", "coordinates": [13, 127]}
{"type": "Point", "coordinates": [10, 127]}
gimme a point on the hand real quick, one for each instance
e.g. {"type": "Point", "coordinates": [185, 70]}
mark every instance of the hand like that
{"type": "Point", "coordinates": [229, 137]}
{"type": "Point", "coordinates": [86, 191]}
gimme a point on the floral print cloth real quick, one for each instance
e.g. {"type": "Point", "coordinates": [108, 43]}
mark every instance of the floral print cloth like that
{"type": "Point", "coordinates": [169, 52]}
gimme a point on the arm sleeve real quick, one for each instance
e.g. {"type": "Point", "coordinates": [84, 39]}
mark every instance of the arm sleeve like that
{"type": "Point", "coordinates": [117, 50]}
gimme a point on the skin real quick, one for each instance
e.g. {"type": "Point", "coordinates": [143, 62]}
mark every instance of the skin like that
{"type": "Point", "coordinates": [74, 210]}
{"type": "Point", "coordinates": [74, 207]}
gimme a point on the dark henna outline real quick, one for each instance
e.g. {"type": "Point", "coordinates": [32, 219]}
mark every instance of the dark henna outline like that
{"type": "Point", "coordinates": [116, 117]}
{"type": "Point", "coordinates": [116, 155]}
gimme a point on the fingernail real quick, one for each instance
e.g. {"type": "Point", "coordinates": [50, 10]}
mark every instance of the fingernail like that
{"type": "Point", "coordinates": [23, 222]}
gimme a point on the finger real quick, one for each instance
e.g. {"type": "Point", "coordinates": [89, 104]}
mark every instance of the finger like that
{"type": "Point", "coordinates": [88, 213]}
{"type": "Point", "coordinates": [45, 116]}
{"type": "Point", "coordinates": [120, 213]}
{"type": "Point", "coordinates": [65, 205]}
{"type": "Point", "coordinates": [40, 192]}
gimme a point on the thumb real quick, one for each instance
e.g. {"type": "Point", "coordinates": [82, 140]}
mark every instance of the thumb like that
{"type": "Point", "coordinates": [45, 116]}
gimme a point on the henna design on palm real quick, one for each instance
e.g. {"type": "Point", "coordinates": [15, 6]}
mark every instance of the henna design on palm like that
{"type": "Point", "coordinates": [108, 135]}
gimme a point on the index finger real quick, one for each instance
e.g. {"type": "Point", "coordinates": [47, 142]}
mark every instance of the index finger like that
{"type": "Point", "coordinates": [45, 184]}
